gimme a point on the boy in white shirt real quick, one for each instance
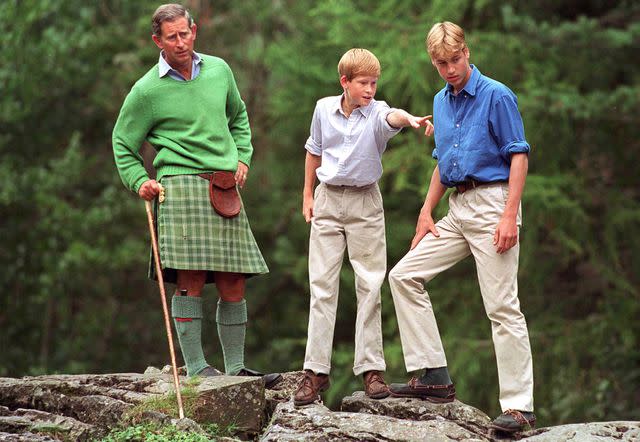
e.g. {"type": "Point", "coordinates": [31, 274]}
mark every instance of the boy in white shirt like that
{"type": "Point", "coordinates": [349, 133]}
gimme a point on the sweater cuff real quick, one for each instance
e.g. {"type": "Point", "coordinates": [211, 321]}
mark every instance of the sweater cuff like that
{"type": "Point", "coordinates": [139, 182]}
{"type": "Point", "coordinates": [243, 157]}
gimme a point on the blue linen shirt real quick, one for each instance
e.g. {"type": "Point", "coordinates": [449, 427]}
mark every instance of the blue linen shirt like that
{"type": "Point", "coordinates": [165, 68]}
{"type": "Point", "coordinates": [477, 131]}
{"type": "Point", "coordinates": [351, 147]}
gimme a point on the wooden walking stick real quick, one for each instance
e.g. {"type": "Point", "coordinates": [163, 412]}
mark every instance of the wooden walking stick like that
{"type": "Point", "coordinates": [167, 323]}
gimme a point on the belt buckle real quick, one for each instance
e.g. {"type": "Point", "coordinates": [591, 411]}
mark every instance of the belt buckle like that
{"type": "Point", "coordinates": [466, 185]}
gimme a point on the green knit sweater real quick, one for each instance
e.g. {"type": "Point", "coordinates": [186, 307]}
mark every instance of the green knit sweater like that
{"type": "Point", "coordinates": [195, 126]}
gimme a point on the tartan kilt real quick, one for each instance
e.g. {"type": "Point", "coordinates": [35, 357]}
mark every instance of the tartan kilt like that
{"type": "Point", "coordinates": [192, 236]}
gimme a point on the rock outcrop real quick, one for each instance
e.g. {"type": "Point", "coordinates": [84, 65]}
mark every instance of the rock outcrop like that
{"type": "Point", "coordinates": [83, 407]}
{"type": "Point", "coordinates": [86, 407]}
{"type": "Point", "coordinates": [621, 431]}
{"type": "Point", "coordinates": [402, 419]}
{"type": "Point", "coordinates": [317, 423]}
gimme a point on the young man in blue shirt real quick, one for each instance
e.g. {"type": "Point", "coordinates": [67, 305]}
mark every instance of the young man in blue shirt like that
{"type": "Point", "coordinates": [482, 153]}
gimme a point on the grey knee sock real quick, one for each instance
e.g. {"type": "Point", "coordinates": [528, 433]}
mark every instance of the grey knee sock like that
{"type": "Point", "coordinates": [187, 316]}
{"type": "Point", "coordinates": [232, 323]}
{"type": "Point", "coordinates": [436, 376]}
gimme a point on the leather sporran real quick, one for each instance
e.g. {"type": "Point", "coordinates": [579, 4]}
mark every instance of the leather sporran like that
{"type": "Point", "coordinates": [223, 193]}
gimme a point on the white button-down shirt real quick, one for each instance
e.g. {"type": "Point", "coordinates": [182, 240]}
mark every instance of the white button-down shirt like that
{"type": "Point", "coordinates": [351, 147]}
{"type": "Point", "coordinates": [165, 68]}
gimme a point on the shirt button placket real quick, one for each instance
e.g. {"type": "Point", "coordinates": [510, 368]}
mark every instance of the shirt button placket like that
{"type": "Point", "coordinates": [455, 163]}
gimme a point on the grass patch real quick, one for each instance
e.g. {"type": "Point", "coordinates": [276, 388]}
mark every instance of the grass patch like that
{"type": "Point", "coordinates": [167, 404]}
{"type": "Point", "coordinates": [157, 433]}
{"type": "Point", "coordinates": [140, 431]}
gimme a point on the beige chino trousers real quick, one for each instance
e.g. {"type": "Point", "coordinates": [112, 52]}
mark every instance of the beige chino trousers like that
{"type": "Point", "coordinates": [349, 218]}
{"type": "Point", "coordinates": [468, 229]}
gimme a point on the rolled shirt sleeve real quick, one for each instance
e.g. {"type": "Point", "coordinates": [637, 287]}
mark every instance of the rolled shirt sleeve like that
{"type": "Point", "coordinates": [385, 131]}
{"type": "Point", "coordinates": [505, 124]}
{"type": "Point", "coordinates": [314, 142]}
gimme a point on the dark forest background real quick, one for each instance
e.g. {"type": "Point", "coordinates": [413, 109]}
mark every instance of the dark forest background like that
{"type": "Point", "coordinates": [75, 243]}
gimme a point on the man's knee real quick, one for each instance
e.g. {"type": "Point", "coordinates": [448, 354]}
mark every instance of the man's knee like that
{"type": "Point", "coordinates": [397, 275]}
{"type": "Point", "coordinates": [191, 280]}
{"type": "Point", "coordinates": [506, 315]}
{"type": "Point", "coordinates": [230, 286]}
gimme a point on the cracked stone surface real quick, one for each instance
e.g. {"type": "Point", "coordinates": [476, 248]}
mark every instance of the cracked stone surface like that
{"type": "Point", "coordinates": [462, 414]}
{"type": "Point", "coordinates": [26, 437]}
{"type": "Point", "coordinates": [283, 391]}
{"type": "Point", "coordinates": [82, 407]}
{"type": "Point", "coordinates": [622, 431]}
{"type": "Point", "coordinates": [316, 422]}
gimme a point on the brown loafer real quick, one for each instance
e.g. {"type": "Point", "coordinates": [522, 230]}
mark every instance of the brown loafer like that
{"type": "Point", "coordinates": [512, 421]}
{"type": "Point", "coordinates": [374, 385]}
{"type": "Point", "coordinates": [310, 387]}
{"type": "Point", "coordinates": [428, 392]}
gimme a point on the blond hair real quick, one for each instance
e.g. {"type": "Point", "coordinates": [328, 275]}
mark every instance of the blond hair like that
{"type": "Point", "coordinates": [444, 40]}
{"type": "Point", "coordinates": [168, 12]}
{"type": "Point", "coordinates": [358, 61]}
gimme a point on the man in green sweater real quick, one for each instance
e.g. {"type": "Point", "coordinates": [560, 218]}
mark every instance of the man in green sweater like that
{"type": "Point", "coordinates": [189, 109]}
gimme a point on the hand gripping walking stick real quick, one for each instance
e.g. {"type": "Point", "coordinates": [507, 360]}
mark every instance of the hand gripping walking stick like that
{"type": "Point", "coordinates": [167, 323]}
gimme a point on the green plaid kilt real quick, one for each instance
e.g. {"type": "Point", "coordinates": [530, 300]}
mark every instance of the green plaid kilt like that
{"type": "Point", "coordinates": [192, 236]}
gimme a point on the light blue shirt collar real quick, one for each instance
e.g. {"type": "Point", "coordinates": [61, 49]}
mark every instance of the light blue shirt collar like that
{"type": "Point", "coordinates": [164, 68]}
{"type": "Point", "coordinates": [365, 111]}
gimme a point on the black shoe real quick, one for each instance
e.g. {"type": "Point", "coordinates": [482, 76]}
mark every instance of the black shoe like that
{"type": "Point", "coordinates": [209, 371]}
{"type": "Point", "coordinates": [428, 392]}
{"type": "Point", "coordinates": [270, 379]}
{"type": "Point", "coordinates": [512, 421]}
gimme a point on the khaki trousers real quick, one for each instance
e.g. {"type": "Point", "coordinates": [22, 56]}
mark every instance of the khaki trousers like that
{"type": "Point", "coordinates": [467, 229]}
{"type": "Point", "coordinates": [351, 218]}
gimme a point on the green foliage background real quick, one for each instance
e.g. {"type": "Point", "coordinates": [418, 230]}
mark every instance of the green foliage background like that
{"type": "Point", "coordinates": [75, 243]}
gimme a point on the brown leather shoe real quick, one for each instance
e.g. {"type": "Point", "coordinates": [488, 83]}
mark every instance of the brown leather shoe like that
{"type": "Point", "coordinates": [428, 392]}
{"type": "Point", "coordinates": [310, 387]}
{"type": "Point", "coordinates": [512, 421]}
{"type": "Point", "coordinates": [374, 385]}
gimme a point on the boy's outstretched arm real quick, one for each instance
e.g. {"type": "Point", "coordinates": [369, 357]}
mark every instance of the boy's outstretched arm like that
{"type": "Point", "coordinates": [402, 118]}
{"type": "Point", "coordinates": [311, 163]}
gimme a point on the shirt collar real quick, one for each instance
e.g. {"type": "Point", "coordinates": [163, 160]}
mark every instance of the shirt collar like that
{"type": "Point", "coordinates": [365, 111]}
{"type": "Point", "coordinates": [472, 83]}
{"type": "Point", "coordinates": [164, 67]}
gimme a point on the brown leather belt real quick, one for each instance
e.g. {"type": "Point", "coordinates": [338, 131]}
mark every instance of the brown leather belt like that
{"type": "Point", "coordinates": [345, 187]}
{"type": "Point", "coordinates": [472, 184]}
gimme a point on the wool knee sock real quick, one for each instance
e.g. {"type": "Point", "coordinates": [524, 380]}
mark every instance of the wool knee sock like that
{"type": "Point", "coordinates": [232, 323]}
{"type": "Point", "coordinates": [436, 376]}
{"type": "Point", "coordinates": [187, 316]}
